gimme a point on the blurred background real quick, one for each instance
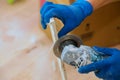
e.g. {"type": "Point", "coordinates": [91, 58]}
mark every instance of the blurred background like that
{"type": "Point", "coordinates": [26, 49]}
{"type": "Point", "coordinates": [23, 46]}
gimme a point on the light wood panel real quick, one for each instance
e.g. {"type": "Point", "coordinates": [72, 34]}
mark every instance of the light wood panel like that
{"type": "Point", "coordinates": [24, 48]}
{"type": "Point", "coordinates": [102, 27]}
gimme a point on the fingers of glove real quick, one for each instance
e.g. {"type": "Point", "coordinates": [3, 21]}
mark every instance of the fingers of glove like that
{"type": "Point", "coordinates": [44, 17]}
{"type": "Point", "coordinates": [67, 28]}
{"type": "Point", "coordinates": [106, 73]}
{"type": "Point", "coordinates": [50, 14]}
{"type": "Point", "coordinates": [43, 24]}
{"type": "Point", "coordinates": [95, 66]}
{"type": "Point", "coordinates": [107, 51]}
{"type": "Point", "coordinates": [45, 7]}
{"type": "Point", "coordinates": [100, 74]}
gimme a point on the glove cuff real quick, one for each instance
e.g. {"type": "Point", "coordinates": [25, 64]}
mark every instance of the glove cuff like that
{"type": "Point", "coordinates": [85, 6]}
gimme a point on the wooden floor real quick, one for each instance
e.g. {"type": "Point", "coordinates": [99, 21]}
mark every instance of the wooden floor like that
{"type": "Point", "coordinates": [24, 48]}
{"type": "Point", "coordinates": [25, 51]}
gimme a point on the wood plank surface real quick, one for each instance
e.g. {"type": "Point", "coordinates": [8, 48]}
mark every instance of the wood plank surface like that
{"type": "Point", "coordinates": [24, 48]}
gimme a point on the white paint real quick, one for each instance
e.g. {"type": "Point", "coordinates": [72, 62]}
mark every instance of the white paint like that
{"type": "Point", "coordinates": [33, 39]}
{"type": "Point", "coordinates": [53, 65]}
{"type": "Point", "coordinates": [15, 33]}
{"type": "Point", "coordinates": [1, 42]}
{"type": "Point", "coordinates": [14, 29]}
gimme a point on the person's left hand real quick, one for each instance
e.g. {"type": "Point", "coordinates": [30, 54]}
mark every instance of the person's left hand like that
{"type": "Point", "coordinates": [71, 15]}
{"type": "Point", "coordinates": [107, 69]}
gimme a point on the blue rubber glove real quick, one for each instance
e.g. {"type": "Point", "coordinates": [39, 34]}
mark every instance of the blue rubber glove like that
{"type": "Point", "coordinates": [107, 69]}
{"type": "Point", "coordinates": [71, 15]}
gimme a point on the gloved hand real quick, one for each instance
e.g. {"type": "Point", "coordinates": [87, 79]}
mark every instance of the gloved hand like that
{"type": "Point", "coordinates": [107, 69]}
{"type": "Point", "coordinates": [71, 15]}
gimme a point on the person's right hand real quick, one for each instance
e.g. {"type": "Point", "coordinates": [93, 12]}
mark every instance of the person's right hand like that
{"type": "Point", "coordinates": [108, 68]}
{"type": "Point", "coordinates": [71, 15]}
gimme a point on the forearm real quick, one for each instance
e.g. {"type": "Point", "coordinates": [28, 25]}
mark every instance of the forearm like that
{"type": "Point", "coordinates": [99, 3]}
